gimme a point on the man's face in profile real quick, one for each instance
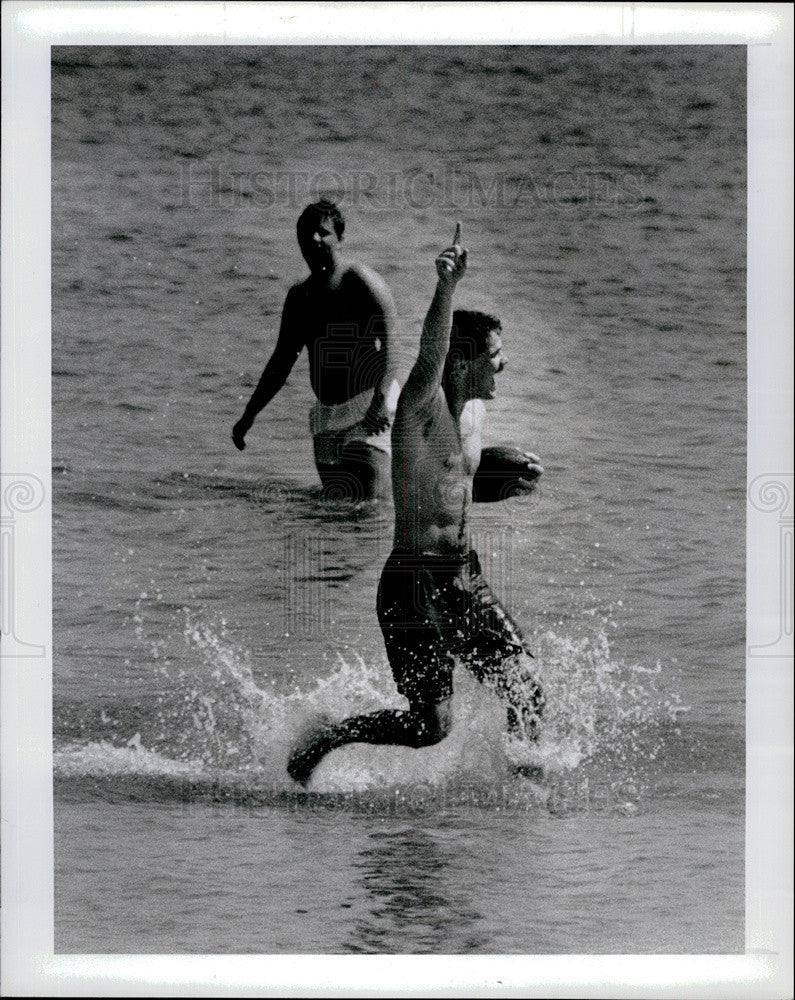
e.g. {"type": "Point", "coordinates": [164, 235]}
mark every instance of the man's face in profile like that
{"type": "Point", "coordinates": [484, 369]}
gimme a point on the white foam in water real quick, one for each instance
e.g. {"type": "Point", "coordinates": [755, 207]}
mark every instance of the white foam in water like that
{"type": "Point", "coordinates": [103, 759]}
{"type": "Point", "coordinates": [225, 720]}
{"type": "Point", "coordinates": [472, 748]}
{"type": "Point", "coordinates": [596, 704]}
{"type": "Point", "coordinates": [272, 723]}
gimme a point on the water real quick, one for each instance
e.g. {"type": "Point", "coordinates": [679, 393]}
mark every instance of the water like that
{"type": "Point", "coordinates": [208, 604]}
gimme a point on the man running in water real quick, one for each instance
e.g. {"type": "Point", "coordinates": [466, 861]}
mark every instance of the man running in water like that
{"type": "Point", "coordinates": [433, 604]}
{"type": "Point", "coordinates": [344, 315]}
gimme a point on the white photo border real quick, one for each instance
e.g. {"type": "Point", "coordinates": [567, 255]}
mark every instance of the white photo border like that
{"type": "Point", "coordinates": [28, 963]}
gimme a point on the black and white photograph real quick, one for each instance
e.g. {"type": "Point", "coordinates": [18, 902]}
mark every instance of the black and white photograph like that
{"type": "Point", "coordinates": [399, 495]}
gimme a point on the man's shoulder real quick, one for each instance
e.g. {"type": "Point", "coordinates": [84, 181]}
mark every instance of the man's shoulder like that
{"type": "Point", "coordinates": [361, 271]}
{"type": "Point", "coordinates": [365, 276]}
{"type": "Point", "coordinates": [294, 310]}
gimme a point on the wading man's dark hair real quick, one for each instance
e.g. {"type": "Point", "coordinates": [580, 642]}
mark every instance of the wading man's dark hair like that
{"type": "Point", "coordinates": [315, 213]}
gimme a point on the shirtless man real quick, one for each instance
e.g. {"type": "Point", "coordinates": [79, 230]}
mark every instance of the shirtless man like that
{"type": "Point", "coordinates": [344, 315]}
{"type": "Point", "coordinates": [433, 604]}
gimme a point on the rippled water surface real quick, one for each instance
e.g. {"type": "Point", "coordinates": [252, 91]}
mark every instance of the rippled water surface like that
{"type": "Point", "coordinates": [208, 603]}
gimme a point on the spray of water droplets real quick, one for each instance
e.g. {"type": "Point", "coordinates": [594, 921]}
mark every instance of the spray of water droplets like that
{"type": "Point", "coordinates": [216, 715]}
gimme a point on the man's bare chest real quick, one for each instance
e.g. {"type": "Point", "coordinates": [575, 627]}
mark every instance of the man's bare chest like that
{"type": "Point", "coordinates": [452, 448]}
{"type": "Point", "coordinates": [337, 318]}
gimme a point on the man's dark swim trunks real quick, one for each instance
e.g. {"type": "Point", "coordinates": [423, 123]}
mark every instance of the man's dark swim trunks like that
{"type": "Point", "coordinates": [433, 609]}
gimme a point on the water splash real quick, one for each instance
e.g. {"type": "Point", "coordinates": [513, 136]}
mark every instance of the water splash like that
{"type": "Point", "coordinates": [599, 709]}
{"type": "Point", "coordinates": [217, 717]}
{"type": "Point", "coordinates": [103, 759]}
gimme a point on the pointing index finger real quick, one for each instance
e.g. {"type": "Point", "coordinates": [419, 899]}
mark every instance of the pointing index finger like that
{"type": "Point", "coordinates": [457, 237]}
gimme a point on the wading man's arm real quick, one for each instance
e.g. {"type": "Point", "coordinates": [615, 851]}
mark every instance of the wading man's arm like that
{"type": "Point", "coordinates": [381, 411]}
{"type": "Point", "coordinates": [426, 375]}
{"type": "Point", "coordinates": [288, 346]}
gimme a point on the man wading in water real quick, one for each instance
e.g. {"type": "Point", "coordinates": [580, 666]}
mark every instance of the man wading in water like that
{"type": "Point", "coordinates": [344, 315]}
{"type": "Point", "coordinates": [433, 604]}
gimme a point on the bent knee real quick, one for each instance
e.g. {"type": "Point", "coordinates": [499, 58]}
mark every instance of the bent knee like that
{"type": "Point", "coordinates": [434, 725]}
{"type": "Point", "coordinates": [428, 736]}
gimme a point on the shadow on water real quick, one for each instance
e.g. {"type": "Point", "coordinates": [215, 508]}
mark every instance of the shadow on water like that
{"type": "Point", "coordinates": [287, 506]}
{"type": "Point", "coordinates": [149, 488]}
{"type": "Point", "coordinates": [405, 876]}
{"type": "Point", "coordinates": [283, 497]}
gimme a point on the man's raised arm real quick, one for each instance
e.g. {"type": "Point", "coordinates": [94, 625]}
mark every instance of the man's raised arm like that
{"type": "Point", "coordinates": [426, 375]}
{"type": "Point", "coordinates": [279, 366]}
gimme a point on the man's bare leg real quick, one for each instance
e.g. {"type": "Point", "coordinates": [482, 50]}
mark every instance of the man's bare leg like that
{"type": "Point", "coordinates": [424, 724]}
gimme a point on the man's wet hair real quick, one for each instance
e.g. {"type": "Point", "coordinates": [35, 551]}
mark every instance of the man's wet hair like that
{"type": "Point", "coordinates": [469, 336]}
{"type": "Point", "coordinates": [315, 213]}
